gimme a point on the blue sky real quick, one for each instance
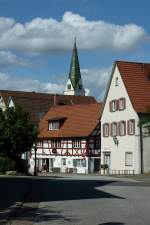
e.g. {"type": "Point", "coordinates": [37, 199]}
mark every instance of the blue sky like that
{"type": "Point", "coordinates": [36, 39]}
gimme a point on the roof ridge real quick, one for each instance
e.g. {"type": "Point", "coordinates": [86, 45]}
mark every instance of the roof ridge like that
{"type": "Point", "coordinates": [135, 62]}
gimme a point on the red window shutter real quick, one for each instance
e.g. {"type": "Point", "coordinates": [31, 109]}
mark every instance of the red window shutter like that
{"type": "Point", "coordinates": [117, 105]}
{"type": "Point", "coordinates": [103, 130]}
{"type": "Point", "coordinates": [110, 106]}
{"type": "Point", "coordinates": [118, 129]}
{"type": "Point", "coordinates": [110, 129]}
{"type": "Point", "coordinates": [124, 103]}
{"type": "Point", "coordinates": [133, 126]}
{"type": "Point", "coordinates": [124, 127]}
{"type": "Point", "coordinates": [128, 128]}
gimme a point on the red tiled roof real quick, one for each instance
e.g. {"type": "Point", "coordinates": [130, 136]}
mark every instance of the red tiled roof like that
{"type": "Point", "coordinates": [80, 120]}
{"type": "Point", "coordinates": [37, 104]}
{"type": "Point", "coordinates": [135, 76]}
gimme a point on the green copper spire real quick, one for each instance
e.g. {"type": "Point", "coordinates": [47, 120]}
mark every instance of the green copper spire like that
{"type": "Point", "coordinates": [74, 73]}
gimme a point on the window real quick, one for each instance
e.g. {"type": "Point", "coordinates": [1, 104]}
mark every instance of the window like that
{"type": "Point", "coordinates": [122, 103]}
{"type": "Point", "coordinates": [116, 81]}
{"type": "Point", "coordinates": [114, 129]}
{"type": "Point", "coordinates": [53, 125]}
{"type": "Point", "coordinates": [64, 162]}
{"type": "Point", "coordinates": [113, 105]}
{"type": "Point", "coordinates": [76, 143]}
{"type": "Point", "coordinates": [128, 158]}
{"type": "Point", "coordinates": [122, 128]}
{"type": "Point", "coordinates": [131, 127]}
{"type": "Point", "coordinates": [69, 86]}
{"type": "Point", "coordinates": [56, 144]}
{"type": "Point", "coordinates": [79, 162]}
{"type": "Point", "coordinates": [105, 130]}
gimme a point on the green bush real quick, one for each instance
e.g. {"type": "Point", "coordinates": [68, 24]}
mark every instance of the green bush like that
{"type": "Point", "coordinates": [21, 165]}
{"type": "Point", "coordinates": [6, 164]}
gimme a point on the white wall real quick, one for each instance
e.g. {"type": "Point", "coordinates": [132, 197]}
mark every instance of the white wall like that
{"type": "Point", "coordinates": [127, 143]}
{"type": "Point", "coordinates": [72, 91]}
{"type": "Point", "coordinates": [146, 154]}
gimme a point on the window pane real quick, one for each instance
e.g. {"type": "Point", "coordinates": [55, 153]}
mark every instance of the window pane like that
{"type": "Point", "coordinates": [114, 129]}
{"type": "Point", "coordinates": [128, 158]}
{"type": "Point", "coordinates": [122, 128]}
{"type": "Point", "coordinates": [106, 130]}
{"type": "Point", "coordinates": [121, 103]}
{"type": "Point", "coordinates": [54, 125]}
{"type": "Point", "coordinates": [76, 144]}
{"type": "Point", "coordinates": [131, 127]}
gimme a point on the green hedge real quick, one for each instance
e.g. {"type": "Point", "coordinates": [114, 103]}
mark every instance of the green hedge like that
{"type": "Point", "coordinates": [6, 164]}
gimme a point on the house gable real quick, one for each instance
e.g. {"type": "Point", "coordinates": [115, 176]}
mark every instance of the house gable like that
{"type": "Point", "coordinates": [114, 143]}
{"type": "Point", "coordinates": [117, 91]}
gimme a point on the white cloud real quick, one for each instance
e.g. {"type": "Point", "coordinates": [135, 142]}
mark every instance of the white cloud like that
{"type": "Point", "coordinates": [8, 58]}
{"type": "Point", "coordinates": [96, 80]}
{"type": "Point", "coordinates": [7, 83]}
{"type": "Point", "coordinates": [42, 35]}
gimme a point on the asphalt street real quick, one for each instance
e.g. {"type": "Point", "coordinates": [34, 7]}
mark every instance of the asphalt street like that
{"type": "Point", "coordinates": [74, 200]}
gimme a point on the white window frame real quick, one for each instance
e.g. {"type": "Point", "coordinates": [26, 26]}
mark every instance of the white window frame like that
{"type": "Point", "coordinates": [131, 127]}
{"type": "Point", "coordinates": [113, 105]}
{"type": "Point", "coordinates": [55, 143]}
{"type": "Point", "coordinates": [53, 125]}
{"type": "Point", "coordinates": [76, 143]}
{"type": "Point", "coordinates": [128, 158]}
{"type": "Point", "coordinates": [122, 128]}
{"type": "Point", "coordinates": [79, 162]}
{"type": "Point", "coordinates": [122, 104]}
{"type": "Point", "coordinates": [114, 130]}
{"type": "Point", "coordinates": [106, 130]}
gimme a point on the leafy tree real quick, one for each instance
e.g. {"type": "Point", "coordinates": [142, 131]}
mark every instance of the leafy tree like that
{"type": "Point", "coordinates": [145, 122]}
{"type": "Point", "coordinates": [17, 132]}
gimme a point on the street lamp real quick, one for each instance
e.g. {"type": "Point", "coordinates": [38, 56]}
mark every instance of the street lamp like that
{"type": "Point", "coordinates": [35, 150]}
{"type": "Point", "coordinates": [116, 141]}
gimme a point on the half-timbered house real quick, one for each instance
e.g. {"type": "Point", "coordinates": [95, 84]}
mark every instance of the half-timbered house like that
{"type": "Point", "coordinates": [69, 140]}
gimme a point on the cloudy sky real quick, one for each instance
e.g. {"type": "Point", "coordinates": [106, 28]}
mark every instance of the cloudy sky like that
{"type": "Point", "coordinates": [36, 40]}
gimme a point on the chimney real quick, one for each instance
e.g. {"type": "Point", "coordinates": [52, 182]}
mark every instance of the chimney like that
{"type": "Point", "coordinates": [55, 99]}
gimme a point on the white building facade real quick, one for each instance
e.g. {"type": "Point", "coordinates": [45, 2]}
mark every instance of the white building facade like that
{"type": "Point", "coordinates": [123, 147]}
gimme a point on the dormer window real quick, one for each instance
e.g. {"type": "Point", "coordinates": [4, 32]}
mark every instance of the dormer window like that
{"type": "Point", "coordinates": [116, 81]}
{"type": "Point", "coordinates": [53, 125]}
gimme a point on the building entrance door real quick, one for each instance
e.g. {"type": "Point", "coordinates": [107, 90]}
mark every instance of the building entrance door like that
{"type": "Point", "coordinates": [63, 165]}
{"type": "Point", "coordinates": [107, 160]}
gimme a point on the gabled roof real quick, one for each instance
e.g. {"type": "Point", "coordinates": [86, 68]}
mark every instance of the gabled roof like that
{"type": "Point", "coordinates": [80, 120]}
{"type": "Point", "coordinates": [37, 104]}
{"type": "Point", "coordinates": [136, 77]}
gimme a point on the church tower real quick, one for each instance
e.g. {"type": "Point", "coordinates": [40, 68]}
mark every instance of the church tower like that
{"type": "Point", "coordinates": [74, 85]}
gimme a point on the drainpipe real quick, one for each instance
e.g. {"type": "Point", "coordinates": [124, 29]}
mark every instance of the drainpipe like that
{"type": "Point", "coordinates": [141, 144]}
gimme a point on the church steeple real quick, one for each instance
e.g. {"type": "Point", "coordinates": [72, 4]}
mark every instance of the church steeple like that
{"type": "Point", "coordinates": [74, 73]}
{"type": "Point", "coordinates": [74, 84]}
